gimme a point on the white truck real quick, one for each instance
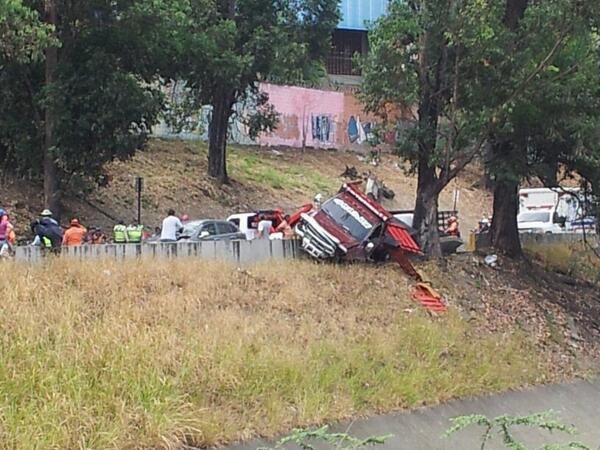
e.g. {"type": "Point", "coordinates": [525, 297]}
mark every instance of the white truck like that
{"type": "Point", "coordinates": [246, 222]}
{"type": "Point", "coordinates": [548, 210]}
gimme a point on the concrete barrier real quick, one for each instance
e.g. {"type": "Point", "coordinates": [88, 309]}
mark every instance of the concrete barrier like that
{"type": "Point", "coordinates": [482, 242]}
{"type": "Point", "coordinates": [236, 252]}
{"type": "Point", "coordinates": [548, 239]}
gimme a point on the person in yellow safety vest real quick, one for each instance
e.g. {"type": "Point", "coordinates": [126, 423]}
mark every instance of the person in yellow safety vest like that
{"type": "Point", "coordinates": [134, 234]}
{"type": "Point", "coordinates": [120, 233]}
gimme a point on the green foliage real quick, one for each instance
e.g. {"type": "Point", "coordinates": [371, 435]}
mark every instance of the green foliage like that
{"type": "Point", "coordinates": [431, 56]}
{"type": "Point", "coordinates": [278, 174]}
{"type": "Point", "coordinates": [504, 425]}
{"type": "Point", "coordinates": [483, 71]}
{"type": "Point", "coordinates": [229, 46]}
{"type": "Point", "coordinates": [106, 95]}
{"type": "Point", "coordinates": [337, 441]}
{"type": "Point", "coordinates": [23, 36]}
{"type": "Point", "coordinates": [477, 81]}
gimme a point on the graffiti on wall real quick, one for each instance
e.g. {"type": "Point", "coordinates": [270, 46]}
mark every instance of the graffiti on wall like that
{"type": "Point", "coordinates": [322, 127]}
{"type": "Point", "coordinates": [359, 132]}
{"type": "Point", "coordinates": [307, 118]}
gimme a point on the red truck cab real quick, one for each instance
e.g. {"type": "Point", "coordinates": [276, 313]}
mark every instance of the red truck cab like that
{"type": "Point", "coordinates": [354, 227]}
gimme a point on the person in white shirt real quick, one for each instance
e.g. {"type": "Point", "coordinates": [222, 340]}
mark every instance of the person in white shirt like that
{"type": "Point", "coordinates": [170, 227]}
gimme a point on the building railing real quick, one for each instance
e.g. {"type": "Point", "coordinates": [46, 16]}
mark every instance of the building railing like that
{"type": "Point", "coordinates": [341, 63]}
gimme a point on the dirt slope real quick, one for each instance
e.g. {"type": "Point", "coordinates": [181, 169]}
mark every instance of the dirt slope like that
{"type": "Point", "coordinates": [174, 174]}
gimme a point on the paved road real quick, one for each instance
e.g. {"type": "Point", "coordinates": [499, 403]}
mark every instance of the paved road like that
{"type": "Point", "coordinates": [577, 403]}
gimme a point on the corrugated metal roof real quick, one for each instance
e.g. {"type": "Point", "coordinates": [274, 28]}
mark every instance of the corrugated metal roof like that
{"type": "Point", "coordinates": [357, 13]}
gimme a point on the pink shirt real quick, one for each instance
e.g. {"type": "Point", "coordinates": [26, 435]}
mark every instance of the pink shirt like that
{"type": "Point", "coordinates": [3, 230]}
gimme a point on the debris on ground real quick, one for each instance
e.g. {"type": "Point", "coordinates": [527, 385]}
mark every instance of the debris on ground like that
{"type": "Point", "coordinates": [491, 260]}
{"type": "Point", "coordinates": [350, 173]}
{"type": "Point", "coordinates": [430, 299]}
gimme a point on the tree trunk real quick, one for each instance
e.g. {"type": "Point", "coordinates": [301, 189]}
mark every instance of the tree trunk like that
{"type": "Point", "coordinates": [426, 211]}
{"type": "Point", "coordinates": [505, 233]}
{"type": "Point", "coordinates": [509, 165]}
{"type": "Point", "coordinates": [217, 144]}
{"type": "Point", "coordinates": [425, 216]}
{"type": "Point", "coordinates": [52, 198]}
{"type": "Point", "coordinates": [514, 12]}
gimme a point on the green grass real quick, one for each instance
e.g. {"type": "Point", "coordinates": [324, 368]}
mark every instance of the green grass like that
{"type": "Point", "coordinates": [148, 355]}
{"type": "Point", "coordinates": [248, 166]}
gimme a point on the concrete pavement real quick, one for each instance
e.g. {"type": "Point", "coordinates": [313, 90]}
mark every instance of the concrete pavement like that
{"type": "Point", "coordinates": [577, 404]}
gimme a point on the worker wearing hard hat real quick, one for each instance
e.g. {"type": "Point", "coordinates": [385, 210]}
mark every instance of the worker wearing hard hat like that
{"type": "Point", "coordinates": [48, 232]}
{"type": "Point", "coordinates": [452, 228]}
{"type": "Point", "coordinates": [75, 234]}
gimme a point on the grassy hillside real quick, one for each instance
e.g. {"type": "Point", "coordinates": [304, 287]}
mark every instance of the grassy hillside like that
{"type": "Point", "coordinates": [175, 176]}
{"type": "Point", "coordinates": [149, 355]}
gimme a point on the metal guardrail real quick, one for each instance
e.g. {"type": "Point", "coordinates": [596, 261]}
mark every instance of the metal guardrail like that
{"type": "Point", "coordinates": [236, 252]}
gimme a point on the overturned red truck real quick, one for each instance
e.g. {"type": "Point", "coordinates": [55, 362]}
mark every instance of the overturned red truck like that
{"type": "Point", "coordinates": [353, 227]}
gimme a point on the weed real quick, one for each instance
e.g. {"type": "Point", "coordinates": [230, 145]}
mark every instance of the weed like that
{"type": "Point", "coordinates": [504, 425]}
{"type": "Point", "coordinates": [337, 441]}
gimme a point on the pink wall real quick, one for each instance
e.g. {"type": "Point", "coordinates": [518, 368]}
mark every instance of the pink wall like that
{"type": "Point", "coordinates": [305, 114]}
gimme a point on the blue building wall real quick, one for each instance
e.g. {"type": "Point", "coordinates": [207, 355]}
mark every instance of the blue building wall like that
{"type": "Point", "coordinates": [355, 13]}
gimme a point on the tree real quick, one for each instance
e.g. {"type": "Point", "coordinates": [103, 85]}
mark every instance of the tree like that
{"type": "Point", "coordinates": [473, 69]}
{"type": "Point", "coordinates": [23, 35]}
{"type": "Point", "coordinates": [231, 45]}
{"type": "Point", "coordinates": [433, 55]}
{"type": "Point", "coordinates": [95, 94]}
{"type": "Point", "coordinates": [537, 130]}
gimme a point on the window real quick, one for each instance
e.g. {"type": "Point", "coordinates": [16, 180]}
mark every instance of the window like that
{"type": "Point", "coordinates": [236, 222]}
{"type": "Point", "coordinates": [227, 228]}
{"type": "Point", "coordinates": [345, 45]}
{"type": "Point", "coordinates": [209, 228]}
{"type": "Point", "coordinates": [190, 228]}
{"type": "Point", "coordinates": [534, 217]}
{"type": "Point", "coordinates": [348, 218]}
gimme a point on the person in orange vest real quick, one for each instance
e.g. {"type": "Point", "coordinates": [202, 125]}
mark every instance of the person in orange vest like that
{"type": "Point", "coordinates": [452, 228]}
{"type": "Point", "coordinates": [75, 234]}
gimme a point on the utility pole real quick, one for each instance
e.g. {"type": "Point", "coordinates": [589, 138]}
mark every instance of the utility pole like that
{"type": "Point", "coordinates": [51, 180]}
{"type": "Point", "coordinates": [139, 186]}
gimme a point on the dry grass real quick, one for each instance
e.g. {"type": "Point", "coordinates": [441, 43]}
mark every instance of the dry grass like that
{"type": "Point", "coordinates": [149, 355]}
{"type": "Point", "coordinates": [570, 258]}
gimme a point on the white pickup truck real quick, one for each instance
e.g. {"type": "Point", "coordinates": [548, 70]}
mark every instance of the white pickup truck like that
{"type": "Point", "coordinates": [245, 222]}
{"type": "Point", "coordinates": [547, 210]}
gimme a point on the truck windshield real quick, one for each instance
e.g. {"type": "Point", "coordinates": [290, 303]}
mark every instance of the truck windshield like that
{"type": "Point", "coordinates": [534, 217]}
{"type": "Point", "coordinates": [348, 218]}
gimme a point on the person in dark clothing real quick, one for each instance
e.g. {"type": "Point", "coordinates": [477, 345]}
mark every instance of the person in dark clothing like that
{"type": "Point", "coordinates": [48, 233]}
